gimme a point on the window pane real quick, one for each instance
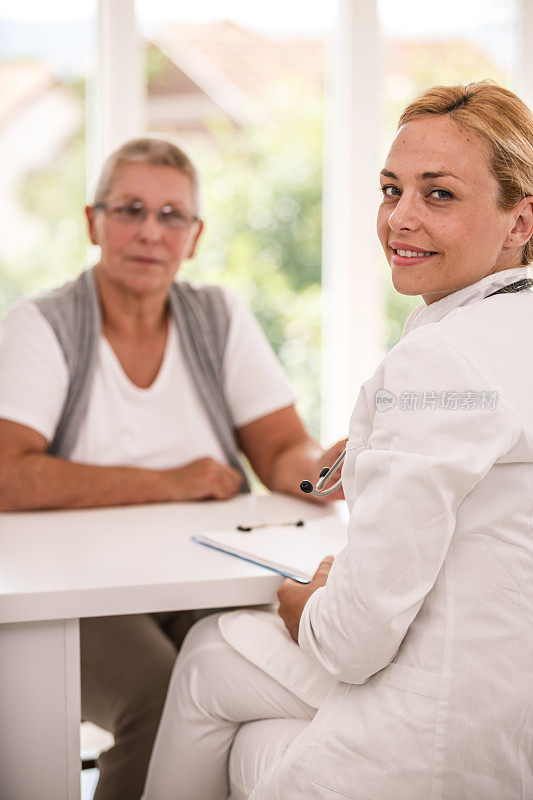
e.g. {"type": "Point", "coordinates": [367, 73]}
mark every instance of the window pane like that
{"type": "Point", "coordinates": [455, 42]}
{"type": "Point", "coordinates": [45, 55]}
{"type": "Point", "coordinates": [243, 95]}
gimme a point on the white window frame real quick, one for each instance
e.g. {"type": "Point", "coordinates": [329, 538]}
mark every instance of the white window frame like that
{"type": "Point", "coordinates": [353, 292]}
{"type": "Point", "coordinates": [524, 46]}
{"type": "Point", "coordinates": [118, 92]}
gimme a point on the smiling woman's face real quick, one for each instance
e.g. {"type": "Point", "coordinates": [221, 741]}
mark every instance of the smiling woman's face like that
{"type": "Point", "coordinates": [439, 222]}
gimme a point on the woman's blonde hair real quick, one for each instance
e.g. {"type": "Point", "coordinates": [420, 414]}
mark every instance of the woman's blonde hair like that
{"type": "Point", "coordinates": [148, 150]}
{"type": "Point", "coordinates": [502, 120]}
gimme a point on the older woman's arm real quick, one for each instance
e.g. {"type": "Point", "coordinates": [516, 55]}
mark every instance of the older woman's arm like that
{"type": "Point", "coordinates": [282, 453]}
{"type": "Point", "coordinates": [277, 445]}
{"type": "Point", "coordinates": [32, 479]}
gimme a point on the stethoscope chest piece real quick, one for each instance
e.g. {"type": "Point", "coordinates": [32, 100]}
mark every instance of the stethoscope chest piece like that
{"type": "Point", "coordinates": [324, 478]}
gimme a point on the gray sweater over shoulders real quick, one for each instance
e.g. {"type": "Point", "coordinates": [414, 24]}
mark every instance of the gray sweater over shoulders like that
{"type": "Point", "coordinates": [202, 320]}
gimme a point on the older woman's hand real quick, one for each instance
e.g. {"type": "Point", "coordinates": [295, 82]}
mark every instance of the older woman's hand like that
{"type": "Point", "coordinates": [293, 596]}
{"type": "Point", "coordinates": [204, 479]}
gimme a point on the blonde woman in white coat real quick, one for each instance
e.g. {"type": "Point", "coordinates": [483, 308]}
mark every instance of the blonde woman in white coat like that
{"type": "Point", "coordinates": [416, 644]}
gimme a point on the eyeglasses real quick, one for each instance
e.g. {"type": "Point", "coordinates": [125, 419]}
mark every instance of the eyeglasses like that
{"type": "Point", "coordinates": [135, 213]}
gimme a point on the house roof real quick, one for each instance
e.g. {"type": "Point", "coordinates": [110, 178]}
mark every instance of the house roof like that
{"type": "Point", "coordinates": [233, 65]}
{"type": "Point", "coordinates": [252, 62]}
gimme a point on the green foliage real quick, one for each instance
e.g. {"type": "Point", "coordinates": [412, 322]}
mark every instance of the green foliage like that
{"type": "Point", "coordinates": [13, 285]}
{"type": "Point", "coordinates": [419, 65]}
{"type": "Point", "coordinates": [262, 205]}
{"type": "Point", "coordinates": [53, 200]}
{"type": "Point", "coordinates": [57, 198]}
{"type": "Point", "coordinates": [156, 64]}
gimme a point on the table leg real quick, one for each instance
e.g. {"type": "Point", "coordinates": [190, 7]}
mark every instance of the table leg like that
{"type": "Point", "coordinates": [40, 710]}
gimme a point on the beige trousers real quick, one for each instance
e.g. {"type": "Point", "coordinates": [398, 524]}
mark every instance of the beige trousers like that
{"type": "Point", "coordinates": [126, 663]}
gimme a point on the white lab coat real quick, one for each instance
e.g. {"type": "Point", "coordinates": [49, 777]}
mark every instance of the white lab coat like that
{"type": "Point", "coordinates": [426, 621]}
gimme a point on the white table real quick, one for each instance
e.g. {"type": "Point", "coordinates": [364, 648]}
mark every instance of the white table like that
{"type": "Point", "coordinates": [56, 567]}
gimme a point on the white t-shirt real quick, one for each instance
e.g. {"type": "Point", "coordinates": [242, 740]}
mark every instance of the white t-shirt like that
{"type": "Point", "coordinates": [162, 426]}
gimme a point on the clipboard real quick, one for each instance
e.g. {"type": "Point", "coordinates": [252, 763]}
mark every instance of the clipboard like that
{"type": "Point", "coordinates": [292, 551]}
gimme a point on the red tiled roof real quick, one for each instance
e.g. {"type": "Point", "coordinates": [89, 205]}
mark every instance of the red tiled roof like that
{"type": "Point", "coordinates": [252, 63]}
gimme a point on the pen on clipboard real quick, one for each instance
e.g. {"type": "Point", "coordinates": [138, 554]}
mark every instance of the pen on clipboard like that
{"type": "Point", "coordinates": [249, 528]}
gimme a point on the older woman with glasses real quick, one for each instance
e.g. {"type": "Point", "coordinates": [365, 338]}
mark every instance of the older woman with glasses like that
{"type": "Point", "coordinates": [126, 386]}
{"type": "Point", "coordinates": [414, 672]}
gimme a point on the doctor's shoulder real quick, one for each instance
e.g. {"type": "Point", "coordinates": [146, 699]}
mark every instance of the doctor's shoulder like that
{"type": "Point", "coordinates": [494, 335]}
{"type": "Point", "coordinates": [431, 360]}
{"type": "Point", "coordinates": [464, 360]}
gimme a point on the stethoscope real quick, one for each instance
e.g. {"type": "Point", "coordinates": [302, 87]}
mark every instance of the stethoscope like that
{"type": "Point", "coordinates": [323, 479]}
{"type": "Point", "coordinates": [326, 473]}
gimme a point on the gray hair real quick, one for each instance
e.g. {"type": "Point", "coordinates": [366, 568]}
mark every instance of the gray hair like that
{"type": "Point", "coordinates": [159, 152]}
